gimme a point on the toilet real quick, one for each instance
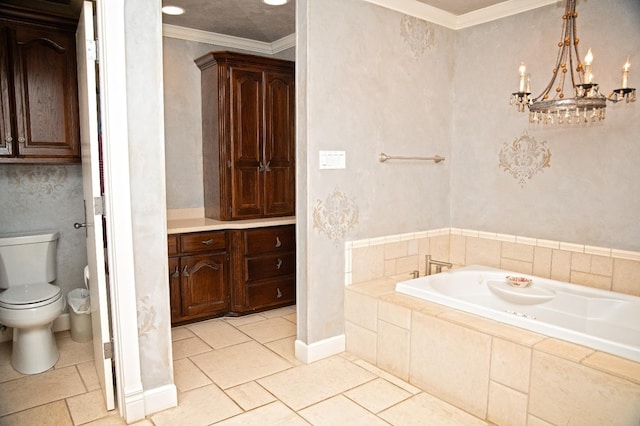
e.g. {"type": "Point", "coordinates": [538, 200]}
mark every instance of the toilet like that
{"type": "Point", "coordinates": [29, 299]}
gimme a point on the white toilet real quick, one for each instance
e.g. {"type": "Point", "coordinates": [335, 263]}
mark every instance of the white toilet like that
{"type": "Point", "coordinates": [29, 301]}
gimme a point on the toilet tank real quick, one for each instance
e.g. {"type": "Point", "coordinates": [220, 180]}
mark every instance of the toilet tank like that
{"type": "Point", "coordinates": [27, 258]}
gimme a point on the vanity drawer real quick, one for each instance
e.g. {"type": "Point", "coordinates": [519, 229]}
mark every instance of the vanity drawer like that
{"type": "Point", "coordinates": [279, 238]}
{"type": "Point", "coordinates": [273, 292]}
{"type": "Point", "coordinates": [202, 241]}
{"type": "Point", "coordinates": [268, 266]}
{"type": "Point", "coordinates": [172, 245]}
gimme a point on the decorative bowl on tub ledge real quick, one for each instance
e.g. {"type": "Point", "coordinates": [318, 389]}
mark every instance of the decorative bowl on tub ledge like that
{"type": "Point", "coordinates": [519, 281]}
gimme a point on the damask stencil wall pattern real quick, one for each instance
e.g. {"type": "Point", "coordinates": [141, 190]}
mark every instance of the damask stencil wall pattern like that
{"type": "Point", "coordinates": [524, 158]}
{"type": "Point", "coordinates": [47, 181]}
{"type": "Point", "coordinates": [336, 215]}
{"type": "Point", "coordinates": [418, 34]}
{"type": "Point", "coordinates": [147, 318]}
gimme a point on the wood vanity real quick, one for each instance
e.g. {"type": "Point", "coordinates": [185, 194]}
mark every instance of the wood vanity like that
{"type": "Point", "coordinates": [231, 271]}
{"type": "Point", "coordinates": [242, 259]}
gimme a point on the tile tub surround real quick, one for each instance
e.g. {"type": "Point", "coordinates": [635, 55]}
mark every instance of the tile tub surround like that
{"type": "Point", "coordinates": [597, 267]}
{"type": "Point", "coordinates": [496, 372]}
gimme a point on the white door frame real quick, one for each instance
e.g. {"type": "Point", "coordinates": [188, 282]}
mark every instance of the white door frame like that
{"type": "Point", "coordinates": [113, 106]}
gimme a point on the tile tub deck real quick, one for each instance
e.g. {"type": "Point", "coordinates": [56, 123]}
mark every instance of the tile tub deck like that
{"type": "Point", "coordinates": [494, 371]}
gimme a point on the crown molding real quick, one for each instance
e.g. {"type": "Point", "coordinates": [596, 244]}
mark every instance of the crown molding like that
{"type": "Point", "coordinates": [284, 43]}
{"type": "Point", "coordinates": [407, 7]}
{"type": "Point", "coordinates": [419, 10]}
{"type": "Point", "coordinates": [498, 11]}
{"type": "Point", "coordinates": [190, 34]}
{"type": "Point", "coordinates": [457, 22]}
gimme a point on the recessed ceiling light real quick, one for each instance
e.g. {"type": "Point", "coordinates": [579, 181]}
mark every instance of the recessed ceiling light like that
{"type": "Point", "coordinates": [172, 10]}
{"type": "Point", "coordinates": [275, 2]}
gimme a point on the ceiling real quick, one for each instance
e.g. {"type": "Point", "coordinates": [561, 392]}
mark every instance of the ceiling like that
{"type": "Point", "coordinates": [248, 19]}
{"type": "Point", "coordinates": [251, 19]}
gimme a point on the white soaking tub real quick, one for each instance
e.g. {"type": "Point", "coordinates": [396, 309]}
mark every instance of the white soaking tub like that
{"type": "Point", "coordinates": [599, 319]}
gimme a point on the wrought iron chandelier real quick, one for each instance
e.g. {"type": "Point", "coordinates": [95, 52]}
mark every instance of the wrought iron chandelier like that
{"type": "Point", "coordinates": [587, 104]}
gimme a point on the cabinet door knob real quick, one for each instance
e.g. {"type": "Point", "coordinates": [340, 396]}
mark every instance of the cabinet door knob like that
{"type": "Point", "coordinates": [9, 138]}
{"type": "Point", "coordinates": [176, 273]}
{"type": "Point", "coordinates": [208, 242]}
{"type": "Point", "coordinates": [261, 167]}
{"type": "Point", "coordinates": [278, 293]}
{"type": "Point", "coordinates": [279, 264]}
{"type": "Point", "coordinates": [185, 273]}
{"type": "Point", "coordinates": [21, 139]}
{"type": "Point", "coordinates": [278, 242]}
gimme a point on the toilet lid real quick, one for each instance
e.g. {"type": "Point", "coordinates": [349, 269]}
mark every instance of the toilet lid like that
{"type": "Point", "coordinates": [27, 294]}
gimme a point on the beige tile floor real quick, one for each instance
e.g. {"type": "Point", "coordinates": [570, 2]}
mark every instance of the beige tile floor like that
{"type": "Point", "coordinates": [229, 371]}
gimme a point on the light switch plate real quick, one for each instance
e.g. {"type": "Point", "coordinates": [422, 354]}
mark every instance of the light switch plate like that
{"type": "Point", "coordinates": [333, 160]}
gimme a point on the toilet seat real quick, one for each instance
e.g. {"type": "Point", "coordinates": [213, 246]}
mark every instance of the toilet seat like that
{"type": "Point", "coordinates": [28, 296]}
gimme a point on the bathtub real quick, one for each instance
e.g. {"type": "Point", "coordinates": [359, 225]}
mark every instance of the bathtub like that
{"type": "Point", "coordinates": [602, 320]}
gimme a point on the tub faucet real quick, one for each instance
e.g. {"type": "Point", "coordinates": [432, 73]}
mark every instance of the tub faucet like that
{"type": "Point", "coordinates": [437, 263]}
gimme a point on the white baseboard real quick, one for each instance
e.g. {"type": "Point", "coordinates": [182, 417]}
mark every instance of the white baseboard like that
{"type": "Point", "coordinates": [160, 398]}
{"type": "Point", "coordinates": [319, 350]}
{"type": "Point", "coordinates": [61, 323]}
{"type": "Point", "coordinates": [133, 409]}
{"type": "Point", "coordinates": [141, 404]}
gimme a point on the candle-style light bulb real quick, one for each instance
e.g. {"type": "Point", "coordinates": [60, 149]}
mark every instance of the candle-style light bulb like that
{"type": "Point", "coordinates": [625, 74]}
{"type": "Point", "coordinates": [588, 75]}
{"type": "Point", "coordinates": [523, 72]}
{"type": "Point", "coordinates": [588, 59]}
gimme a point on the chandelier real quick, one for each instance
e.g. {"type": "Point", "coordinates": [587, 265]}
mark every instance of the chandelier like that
{"type": "Point", "coordinates": [587, 104]}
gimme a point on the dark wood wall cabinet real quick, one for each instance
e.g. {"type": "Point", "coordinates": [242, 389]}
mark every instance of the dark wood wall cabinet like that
{"type": "Point", "coordinates": [248, 112]}
{"type": "Point", "coordinates": [231, 272]}
{"type": "Point", "coordinates": [39, 96]}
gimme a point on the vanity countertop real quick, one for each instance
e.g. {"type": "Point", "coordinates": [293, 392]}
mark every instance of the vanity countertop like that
{"type": "Point", "coordinates": [197, 224]}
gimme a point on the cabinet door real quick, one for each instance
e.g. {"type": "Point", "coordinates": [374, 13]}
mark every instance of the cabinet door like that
{"type": "Point", "coordinates": [246, 142]}
{"type": "Point", "coordinates": [174, 289]}
{"type": "Point", "coordinates": [6, 129]}
{"type": "Point", "coordinates": [204, 284]}
{"type": "Point", "coordinates": [279, 149]}
{"type": "Point", "coordinates": [45, 90]}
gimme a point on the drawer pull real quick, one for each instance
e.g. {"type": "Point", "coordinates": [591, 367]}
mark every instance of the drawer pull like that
{"type": "Point", "coordinates": [185, 273]}
{"type": "Point", "coordinates": [176, 273]}
{"type": "Point", "coordinates": [279, 264]}
{"type": "Point", "coordinates": [208, 242]}
{"type": "Point", "coordinates": [278, 293]}
{"type": "Point", "coordinates": [278, 242]}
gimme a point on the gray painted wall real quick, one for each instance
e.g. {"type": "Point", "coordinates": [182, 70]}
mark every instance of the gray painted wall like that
{"type": "Point", "coordinates": [366, 92]}
{"type": "Point", "coordinates": [588, 194]}
{"type": "Point", "coordinates": [42, 198]}
{"type": "Point", "coordinates": [143, 28]}
{"type": "Point", "coordinates": [371, 87]}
